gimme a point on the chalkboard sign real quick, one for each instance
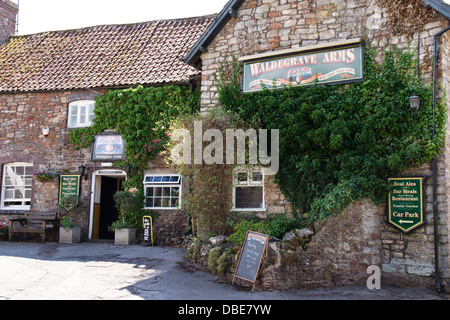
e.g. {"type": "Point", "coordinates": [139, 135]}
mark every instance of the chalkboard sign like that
{"type": "Point", "coordinates": [255, 245]}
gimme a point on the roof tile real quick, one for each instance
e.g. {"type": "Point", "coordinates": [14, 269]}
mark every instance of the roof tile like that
{"type": "Point", "coordinates": [102, 56]}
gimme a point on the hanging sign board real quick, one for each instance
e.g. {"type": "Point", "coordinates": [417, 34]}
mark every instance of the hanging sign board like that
{"type": "Point", "coordinates": [405, 206]}
{"type": "Point", "coordinates": [69, 184]}
{"type": "Point", "coordinates": [108, 147]}
{"type": "Point", "coordinates": [255, 245]}
{"type": "Point", "coordinates": [339, 63]}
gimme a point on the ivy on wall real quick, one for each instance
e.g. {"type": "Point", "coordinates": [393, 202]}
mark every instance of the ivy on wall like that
{"type": "Point", "coordinates": [338, 144]}
{"type": "Point", "coordinates": [142, 116]}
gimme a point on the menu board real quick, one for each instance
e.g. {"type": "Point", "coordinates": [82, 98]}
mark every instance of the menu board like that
{"type": "Point", "coordinates": [255, 245]}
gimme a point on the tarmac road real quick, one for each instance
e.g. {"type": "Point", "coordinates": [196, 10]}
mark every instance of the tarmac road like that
{"type": "Point", "coordinates": [104, 271]}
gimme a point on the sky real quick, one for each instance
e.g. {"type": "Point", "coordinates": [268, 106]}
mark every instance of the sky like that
{"type": "Point", "coordinates": [50, 15]}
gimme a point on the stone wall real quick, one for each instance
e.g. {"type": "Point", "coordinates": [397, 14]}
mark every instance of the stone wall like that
{"type": "Point", "coordinates": [271, 25]}
{"type": "Point", "coordinates": [22, 117]}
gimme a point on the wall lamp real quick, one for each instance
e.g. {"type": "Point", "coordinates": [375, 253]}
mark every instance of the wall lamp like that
{"type": "Point", "coordinates": [82, 171]}
{"type": "Point", "coordinates": [414, 104]}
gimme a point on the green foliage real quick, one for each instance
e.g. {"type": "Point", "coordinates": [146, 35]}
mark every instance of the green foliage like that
{"type": "Point", "coordinates": [69, 205]}
{"type": "Point", "coordinates": [218, 261]}
{"type": "Point", "coordinates": [142, 116]}
{"type": "Point", "coordinates": [130, 208]}
{"type": "Point", "coordinates": [339, 143]}
{"type": "Point", "coordinates": [274, 227]}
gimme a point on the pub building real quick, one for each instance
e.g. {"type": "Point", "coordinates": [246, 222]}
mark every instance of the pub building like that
{"type": "Point", "coordinates": [270, 38]}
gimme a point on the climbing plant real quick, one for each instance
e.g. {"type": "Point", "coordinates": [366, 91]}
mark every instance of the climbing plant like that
{"type": "Point", "coordinates": [142, 116]}
{"type": "Point", "coordinates": [339, 143]}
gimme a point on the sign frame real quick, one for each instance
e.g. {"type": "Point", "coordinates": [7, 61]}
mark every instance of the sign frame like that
{"type": "Point", "coordinates": [243, 250]}
{"type": "Point", "coordinates": [299, 53]}
{"type": "Point", "coordinates": [117, 152]}
{"type": "Point", "coordinates": [418, 206]}
{"type": "Point", "coordinates": [62, 176]}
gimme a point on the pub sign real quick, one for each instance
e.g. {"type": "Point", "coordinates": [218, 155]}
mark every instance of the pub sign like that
{"type": "Point", "coordinates": [405, 209]}
{"type": "Point", "coordinates": [339, 63]}
{"type": "Point", "coordinates": [108, 147]}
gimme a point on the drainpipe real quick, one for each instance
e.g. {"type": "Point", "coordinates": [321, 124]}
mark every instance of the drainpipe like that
{"type": "Point", "coordinates": [437, 282]}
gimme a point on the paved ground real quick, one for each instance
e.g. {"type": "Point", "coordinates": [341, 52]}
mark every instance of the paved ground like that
{"type": "Point", "coordinates": [98, 271]}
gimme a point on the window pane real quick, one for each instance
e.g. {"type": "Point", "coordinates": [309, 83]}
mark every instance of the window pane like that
{"type": "Point", "coordinates": [73, 110]}
{"type": "Point", "coordinates": [72, 121]}
{"type": "Point", "coordinates": [29, 171]}
{"type": "Point", "coordinates": [242, 177]}
{"type": "Point", "coordinates": [249, 197]}
{"type": "Point", "coordinates": [149, 192]}
{"type": "Point", "coordinates": [256, 176]}
{"type": "Point", "coordinates": [149, 202]}
{"type": "Point", "coordinates": [82, 115]}
{"type": "Point", "coordinates": [166, 202]}
{"type": "Point", "coordinates": [158, 191]}
{"type": "Point", "coordinates": [157, 202]}
{"type": "Point", "coordinates": [9, 193]}
{"type": "Point", "coordinates": [166, 191]}
{"type": "Point", "coordinates": [175, 191]}
{"type": "Point", "coordinates": [174, 202]}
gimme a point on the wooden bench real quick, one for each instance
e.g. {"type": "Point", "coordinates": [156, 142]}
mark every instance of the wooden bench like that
{"type": "Point", "coordinates": [34, 222]}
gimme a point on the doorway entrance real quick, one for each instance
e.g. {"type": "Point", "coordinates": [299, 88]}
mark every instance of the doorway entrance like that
{"type": "Point", "coordinates": [105, 183]}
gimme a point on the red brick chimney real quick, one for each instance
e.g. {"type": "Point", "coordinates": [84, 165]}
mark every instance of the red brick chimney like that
{"type": "Point", "coordinates": [8, 15]}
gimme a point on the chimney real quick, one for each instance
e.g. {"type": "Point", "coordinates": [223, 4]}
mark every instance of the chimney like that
{"type": "Point", "coordinates": [8, 15]}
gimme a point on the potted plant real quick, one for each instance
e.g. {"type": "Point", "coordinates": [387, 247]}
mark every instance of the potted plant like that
{"type": "Point", "coordinates": [4, 231]}
{"type": "Point", "coordinates": [130, 216]}
{"type": "Point", "coordinates": [69, 233]}
{"type": "Point", "coordinates": [43, 176]}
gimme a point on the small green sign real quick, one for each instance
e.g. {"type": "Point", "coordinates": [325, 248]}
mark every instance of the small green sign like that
{"type": "Point", "coordinates": [405, 203]}
{"type": "Point", "coordinates": [69, 184]}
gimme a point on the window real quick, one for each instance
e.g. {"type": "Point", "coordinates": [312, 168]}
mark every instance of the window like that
{"type": "Point", "coordinates": [162, 191]}
{"type": "Point", "coordinates": [81, 113]}
{"type": "Point", "coordinates": [16, 187]}
{"type": "Point", "coordinates": [248, 190]}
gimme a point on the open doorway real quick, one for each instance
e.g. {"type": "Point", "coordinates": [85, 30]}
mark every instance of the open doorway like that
{"type": "Point", "coordinates": [103, 210]}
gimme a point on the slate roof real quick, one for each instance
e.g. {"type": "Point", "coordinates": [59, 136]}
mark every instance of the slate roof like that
{"type": "Point", "coordinates": [148, 53]}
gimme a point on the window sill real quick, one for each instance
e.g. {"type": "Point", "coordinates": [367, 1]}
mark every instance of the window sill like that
{"type": "Point", "coordinates": [249, 209]}
{"type": "Point", "coordinates": [162, 208]}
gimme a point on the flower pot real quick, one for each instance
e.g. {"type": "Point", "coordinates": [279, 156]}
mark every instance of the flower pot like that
{"type": "Point", "coordinates": [125, 236]}
{"type": "Point", "coordinates": [69, 235]}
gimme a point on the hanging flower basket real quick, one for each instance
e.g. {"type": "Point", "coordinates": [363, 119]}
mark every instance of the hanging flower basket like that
{"type": "Point", "coordinates": [43, 176]}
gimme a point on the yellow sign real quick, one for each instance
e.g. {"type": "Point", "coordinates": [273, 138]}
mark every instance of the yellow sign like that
{"type": "Point", "coordinates": [148, 228]}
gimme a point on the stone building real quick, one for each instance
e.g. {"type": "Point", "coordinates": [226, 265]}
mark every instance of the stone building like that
{"type": "Point", "coordinates": [48, 83]}
{"type": "Point", "coordinates": [46, 80]}
{"type": "Point", "coordinates": [342, 248]}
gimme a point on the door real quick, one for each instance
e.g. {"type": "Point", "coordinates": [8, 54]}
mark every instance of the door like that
{"type": "Point", "coordinates": [108, 211]}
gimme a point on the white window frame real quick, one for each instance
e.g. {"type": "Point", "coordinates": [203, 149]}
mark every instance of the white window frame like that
{"type": "Point", "coordinates": [163, 184]}
{"type": "Point", "coordinates": [82, 120]}
{"type": "Point", "coordinates": [19, 182]}
{"type": "Point", "coordinates": [249, 182]}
